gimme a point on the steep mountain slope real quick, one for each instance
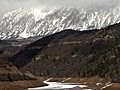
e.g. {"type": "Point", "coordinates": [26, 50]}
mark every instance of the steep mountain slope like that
{"type": "Point", "coordinates": [74, 54]}
{"type": "Point", "coordinates": [9, 72]}
{"type": "Point", "coordinates": [11, 78]}
{"type": "Point", "coordinates": [24, 23]}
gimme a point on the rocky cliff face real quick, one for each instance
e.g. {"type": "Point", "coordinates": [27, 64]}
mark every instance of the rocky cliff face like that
{"type": "Point", "coordinates": [24, 23]}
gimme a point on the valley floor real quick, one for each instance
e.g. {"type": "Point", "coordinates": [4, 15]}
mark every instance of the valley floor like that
{"type": "Point", "coordinates": [115, 86]}
{"type": "Point", "coordinates": [20, 85]}
{"type": "Point", "coordinates": [94, 83]}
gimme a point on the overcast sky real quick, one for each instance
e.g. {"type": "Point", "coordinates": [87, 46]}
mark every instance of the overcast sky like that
{"type": "Point", "coordinates": [6, 5]}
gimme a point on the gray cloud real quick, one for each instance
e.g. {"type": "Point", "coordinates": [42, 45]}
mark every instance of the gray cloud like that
{"type": "Point", "coordinates": [6, 5]}
{"type": "Point", "coordinates": [81, 3]}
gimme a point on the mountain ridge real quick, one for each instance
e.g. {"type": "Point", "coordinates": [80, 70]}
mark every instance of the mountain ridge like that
{"type": "Point", "coordinates": [24, 23]}
{"type": "Point", "coordinates": [72, 53]}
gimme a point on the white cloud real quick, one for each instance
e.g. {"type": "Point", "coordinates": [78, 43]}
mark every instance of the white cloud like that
{"type": "Point", "coordinates": [6, 5]}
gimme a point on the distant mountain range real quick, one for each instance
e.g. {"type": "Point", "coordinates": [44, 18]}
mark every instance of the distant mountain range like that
{"type": "Point", "coordinates": [68, 53]}
{"type": "Point", "coordinates": [24, 23]}
{"type": "Point", "coordinates": [60, 43]}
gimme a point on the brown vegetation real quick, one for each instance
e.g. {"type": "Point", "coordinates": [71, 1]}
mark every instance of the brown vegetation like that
{"type": "Point", "coordinates": [74, 54]}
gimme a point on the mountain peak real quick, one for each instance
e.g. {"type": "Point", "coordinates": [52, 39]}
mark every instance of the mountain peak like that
{"type": "Point", "coordinates": [24, 23]}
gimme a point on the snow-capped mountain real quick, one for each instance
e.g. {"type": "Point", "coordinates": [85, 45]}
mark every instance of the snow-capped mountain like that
{"type": "Point", "coordinates": [24, 23]}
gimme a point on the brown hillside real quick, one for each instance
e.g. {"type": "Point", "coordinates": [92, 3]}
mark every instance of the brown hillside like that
{"type": "Point", "coordinates": [74, 54]}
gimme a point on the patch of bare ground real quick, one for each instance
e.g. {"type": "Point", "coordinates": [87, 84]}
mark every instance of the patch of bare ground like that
{"type": "Point", "coordinates": [20, 85]}
{"type": "Point", "coordinates": [114, 86]}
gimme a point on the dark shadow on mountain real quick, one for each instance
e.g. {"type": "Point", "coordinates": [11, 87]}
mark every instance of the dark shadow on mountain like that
{"type": "Point", "coordinates": [72, 53]}
{"type": "Point", "coordinates": [25, 56]}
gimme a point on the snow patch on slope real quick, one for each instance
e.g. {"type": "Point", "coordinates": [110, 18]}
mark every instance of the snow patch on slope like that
{"type": "Point", "coordinates": [24, 23]}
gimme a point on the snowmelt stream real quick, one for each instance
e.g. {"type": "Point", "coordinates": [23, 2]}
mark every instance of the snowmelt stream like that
{"type": "Point", "coordinates": [60, 86]}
